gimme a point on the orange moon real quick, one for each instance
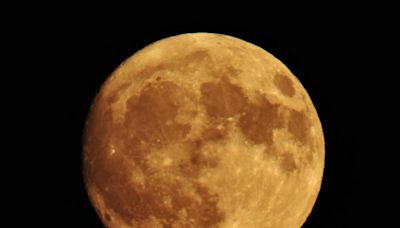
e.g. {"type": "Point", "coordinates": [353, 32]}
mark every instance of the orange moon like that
{"type": "Point", "coordinates": [203, 130]}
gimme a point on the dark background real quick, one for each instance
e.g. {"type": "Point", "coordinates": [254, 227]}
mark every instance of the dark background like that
{"type": "Point", "coordinates": [327, 55]}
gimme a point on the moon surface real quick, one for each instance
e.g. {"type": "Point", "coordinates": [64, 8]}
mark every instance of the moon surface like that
{"type": "Point", "coordinates": [203, 130]}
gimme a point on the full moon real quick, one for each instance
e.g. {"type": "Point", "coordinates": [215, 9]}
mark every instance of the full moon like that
{"type": "Point", "coordinates": [203, 130]}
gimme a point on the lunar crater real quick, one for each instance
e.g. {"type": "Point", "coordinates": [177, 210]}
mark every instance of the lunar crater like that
{"type": "Point", "coordinates": [284, 84]}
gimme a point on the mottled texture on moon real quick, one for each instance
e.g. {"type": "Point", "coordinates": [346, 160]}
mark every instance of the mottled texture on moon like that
{"type": "Point", "coordinates": [203, 130]}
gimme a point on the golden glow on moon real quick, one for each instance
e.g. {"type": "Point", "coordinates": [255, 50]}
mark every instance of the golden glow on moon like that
{"type": "Point", "coordinates": [203, 130]}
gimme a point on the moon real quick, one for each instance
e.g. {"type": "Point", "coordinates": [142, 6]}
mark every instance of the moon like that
{"type": "Point", "coordinates": [203, 130]}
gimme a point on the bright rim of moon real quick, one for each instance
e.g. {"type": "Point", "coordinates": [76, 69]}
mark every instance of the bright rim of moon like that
{"type": "Point", "coordinates": [203, 130]}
